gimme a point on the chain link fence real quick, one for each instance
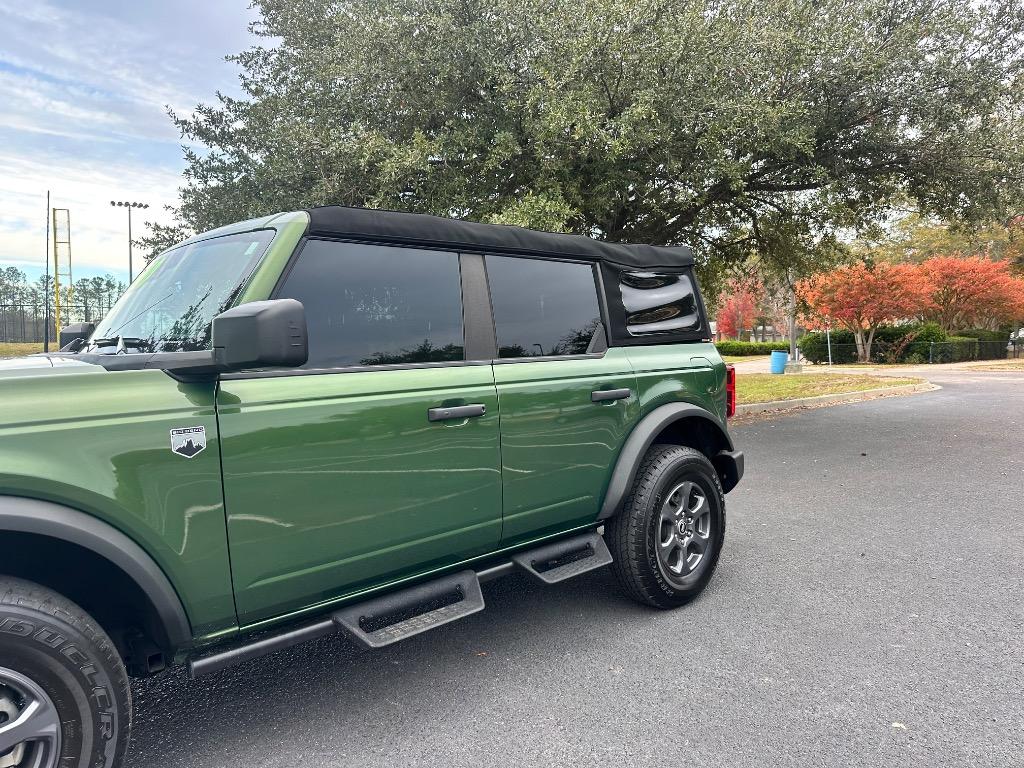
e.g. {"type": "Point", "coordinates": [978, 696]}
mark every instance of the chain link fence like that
{"type": "Point", "coordinates": [919, 352]}
{"type": "Point", "coordinates": [26, 323]}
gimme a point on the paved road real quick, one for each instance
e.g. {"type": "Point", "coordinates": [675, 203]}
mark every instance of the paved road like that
{"type": "Point", "coordinates": [868, 611]}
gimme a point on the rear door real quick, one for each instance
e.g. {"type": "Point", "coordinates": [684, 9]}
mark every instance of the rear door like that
{"type": "Point", "coordinates": [567, 401]}
{"type": "Point", "coordinates": [377, 460]}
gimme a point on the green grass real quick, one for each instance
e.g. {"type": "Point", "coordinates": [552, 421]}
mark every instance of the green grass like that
{"type": "Point", "coordinates": [744, 358]}
{"type": "Point", "coordinates": [767, 387]}
{"type": "Point", "coordinates": [15, 349]}
{"type": "Point", "coordinates": [999, 365]}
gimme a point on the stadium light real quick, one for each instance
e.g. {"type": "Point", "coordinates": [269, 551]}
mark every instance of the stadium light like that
{"type": "Point", "coordinates": [129, 205]}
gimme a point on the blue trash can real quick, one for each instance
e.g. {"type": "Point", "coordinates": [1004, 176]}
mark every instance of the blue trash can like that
{"type": "Point", "coordinates": [779, 360]}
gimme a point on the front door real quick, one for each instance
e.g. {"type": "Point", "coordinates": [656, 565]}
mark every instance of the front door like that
{"type": "Point", "coordinates": [355, 470]}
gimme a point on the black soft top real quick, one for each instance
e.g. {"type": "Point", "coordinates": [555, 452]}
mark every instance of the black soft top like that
{"type": "Point", "coordinates": [436, 232]}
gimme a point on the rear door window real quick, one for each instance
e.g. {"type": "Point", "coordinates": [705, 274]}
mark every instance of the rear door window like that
{"type": "Point", "coordinates": [541, 307]}
{"type": "Point", "coordinates": [377, 305]}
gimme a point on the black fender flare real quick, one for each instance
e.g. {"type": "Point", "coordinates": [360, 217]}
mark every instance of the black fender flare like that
{"type": "Point", "coordinates": [728, 462]}
{"type": "Point", "coordinates": [45, 518]}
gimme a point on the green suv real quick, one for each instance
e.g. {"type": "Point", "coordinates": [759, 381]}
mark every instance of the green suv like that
{"type": "Point", "coordinates": [343, 420]}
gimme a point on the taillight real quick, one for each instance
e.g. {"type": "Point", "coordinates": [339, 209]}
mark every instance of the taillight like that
{"type": "Point", "coordinates": [730, 391]}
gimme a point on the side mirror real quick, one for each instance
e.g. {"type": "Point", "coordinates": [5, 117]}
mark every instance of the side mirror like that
{"type": "Point", "coordinates": [75, 334]}
{"type": "Point", "coordinates": [261, 334]}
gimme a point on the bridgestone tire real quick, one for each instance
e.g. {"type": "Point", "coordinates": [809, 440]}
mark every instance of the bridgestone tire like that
{"type": "Point", "coordinates": [49, 640]}
{"type": "Point", "coordinates": [633, 534]}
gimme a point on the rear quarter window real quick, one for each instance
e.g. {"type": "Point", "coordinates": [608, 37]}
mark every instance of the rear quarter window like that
{"type": "Point", "coordinates": [658, 306]}
{"type": "Point", "coordinates": [659, 303]}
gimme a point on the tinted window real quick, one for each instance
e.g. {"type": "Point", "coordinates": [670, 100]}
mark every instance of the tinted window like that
{"type": "Point", "coordinates": [377, 305]}
{"type": "Point", "coordinates": [542, 307]}
{"type": "Point", "coordinates": [659, 303]}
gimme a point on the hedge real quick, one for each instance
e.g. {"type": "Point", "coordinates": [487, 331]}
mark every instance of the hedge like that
{"type": "Point", "coordinates": [983, 334]}
{"type": "Point", "coordinates": [918, 343]}
{"type": "Point", "coordinates": [747, 348]}
{"type": "Point", "coordinates": [892, 344]}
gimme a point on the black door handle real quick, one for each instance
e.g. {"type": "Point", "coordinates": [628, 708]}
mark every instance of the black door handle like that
{"type": "Point", "coordinates": [605, 395]}
{"type": "Point", "coordinates": [456, 412]}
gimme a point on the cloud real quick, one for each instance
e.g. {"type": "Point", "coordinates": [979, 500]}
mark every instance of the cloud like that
{"type": "Point", "coordinates": [85, 87]}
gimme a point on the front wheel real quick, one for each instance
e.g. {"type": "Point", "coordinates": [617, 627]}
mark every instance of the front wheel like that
{"type": "Point", "coordinates": [668, 535]}
{"type": "Point", "coordinates": [64, 695]}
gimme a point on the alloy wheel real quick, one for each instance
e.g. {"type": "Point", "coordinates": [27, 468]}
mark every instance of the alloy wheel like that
{"type": "Point", "coordinates": [29, 724]}
{"type": "Point", "coordinates": [684, 530]}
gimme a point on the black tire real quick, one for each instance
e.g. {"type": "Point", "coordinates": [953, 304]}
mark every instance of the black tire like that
{"type": "Point", "coordinates": [54, 653]}
{"type": "Point", "coordinates": [639, 534]}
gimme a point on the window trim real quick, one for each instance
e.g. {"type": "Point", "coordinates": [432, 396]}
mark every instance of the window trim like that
{"type": "Point", "coordinates": [476, 304]}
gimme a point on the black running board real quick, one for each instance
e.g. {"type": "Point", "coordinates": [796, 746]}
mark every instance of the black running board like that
{"type": "Point", "coordinates": [565, 559]}
{"type": "Point", "coordinates": [385, 620]}
{"type": "Point", "coordinates": [370, 625]}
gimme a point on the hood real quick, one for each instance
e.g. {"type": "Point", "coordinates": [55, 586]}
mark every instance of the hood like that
{"type": "Point", "coordinates": [44, 365]}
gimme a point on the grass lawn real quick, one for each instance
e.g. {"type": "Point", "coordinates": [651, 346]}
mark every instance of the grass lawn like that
{"type": "Point", "coordinates": [12, 349]}
{"type": "Point", "coordinates": [1000, 365]}
{"type": "Point", "coordinates": [744, 358]}
{"type": "Point", "coordinates": [766, 387]}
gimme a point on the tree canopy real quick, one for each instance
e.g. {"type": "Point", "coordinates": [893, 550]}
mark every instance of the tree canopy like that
{"type": "Point", "coordinates": [732, 125]}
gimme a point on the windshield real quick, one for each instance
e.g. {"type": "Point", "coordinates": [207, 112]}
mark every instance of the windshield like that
{"type": "Point", "coordinates": [170, 307]}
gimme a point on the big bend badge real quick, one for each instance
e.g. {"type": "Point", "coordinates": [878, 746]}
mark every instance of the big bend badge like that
{"type": "Point", "coordinates": [188, 441]}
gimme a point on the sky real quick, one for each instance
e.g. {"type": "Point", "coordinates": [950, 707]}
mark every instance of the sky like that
{"type": "Point", "coordinates": [84, 91]}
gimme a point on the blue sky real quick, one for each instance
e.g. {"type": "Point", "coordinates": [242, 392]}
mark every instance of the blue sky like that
{"type": "Point", "coordinates": [84, 88]}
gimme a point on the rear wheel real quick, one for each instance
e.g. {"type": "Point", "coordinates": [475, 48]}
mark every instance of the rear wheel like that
{"type": "Point", "coordinates": [668, 535]}
{"type": "Point", "coordinates": [64, 695]}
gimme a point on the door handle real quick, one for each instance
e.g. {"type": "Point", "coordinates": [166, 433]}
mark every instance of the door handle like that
{"type": "Point", "coordinates": [456, 412]}
{"type": "Point", "coordinates": [606, 395]}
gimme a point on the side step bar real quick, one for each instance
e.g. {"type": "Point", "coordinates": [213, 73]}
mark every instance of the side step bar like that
{"type": "Point", "coordinates": [396, 616]}
{"type": "Point", "coordinates": [384, 620]}
{"type": "Point", "coordinates": [564, 559]}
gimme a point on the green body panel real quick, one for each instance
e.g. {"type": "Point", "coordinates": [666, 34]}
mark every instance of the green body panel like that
{"type": "Point", "coordinates": [557, 446]}
{"type": "Point", "coordinates": [99, 442]}
{"type": "Point", "coordinates": [337, 481]}
{"type": "Point", "coordinates": [692, 373]}
{"type": "Point", "coordinates": [290, 229]}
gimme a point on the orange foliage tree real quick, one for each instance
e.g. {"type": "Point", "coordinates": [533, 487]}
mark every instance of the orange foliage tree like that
{"type": "Point", "coordinates": [860, 298]}
{"type": "Point", "coordinates": [972, 292]}
{"type": "Point", "coordinates": [737, 307]}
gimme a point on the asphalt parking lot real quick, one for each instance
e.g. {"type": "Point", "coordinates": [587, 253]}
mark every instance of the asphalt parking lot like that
{"type": "Point", "coordinates": [868, 610]}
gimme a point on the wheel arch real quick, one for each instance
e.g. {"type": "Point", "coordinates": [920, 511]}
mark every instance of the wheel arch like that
{"type": "Point", "coordinates": [70, 530]}
{"type": "Point", "coordinates": [676, 424]}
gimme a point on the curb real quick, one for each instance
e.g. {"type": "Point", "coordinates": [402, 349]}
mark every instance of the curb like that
{"type": "Point", "coordinates": [836, 399]}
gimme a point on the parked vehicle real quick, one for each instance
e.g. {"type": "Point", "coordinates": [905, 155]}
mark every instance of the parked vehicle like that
{"type": "Point", "coordinates": [343, 420]}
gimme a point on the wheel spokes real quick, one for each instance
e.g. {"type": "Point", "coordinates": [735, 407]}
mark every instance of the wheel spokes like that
{"type": "Point", "coordinates": [37, 722]}
{"type": "Point", "coordinates": [698, 545]}
{"type": "Point", "coordinates": [676, 500]}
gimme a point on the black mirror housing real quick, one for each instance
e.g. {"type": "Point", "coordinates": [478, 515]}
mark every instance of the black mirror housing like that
{"type": "Point", "coordinates": [261, 334]}
{"type": "Point", "coordinates": [76, 333]}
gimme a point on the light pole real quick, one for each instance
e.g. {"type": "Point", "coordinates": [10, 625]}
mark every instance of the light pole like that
{"type": "Point", "coordinates": [129, 206]}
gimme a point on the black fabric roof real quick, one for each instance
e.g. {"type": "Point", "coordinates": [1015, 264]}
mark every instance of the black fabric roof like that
{"type": "Point", "coordinates": [436, 232]}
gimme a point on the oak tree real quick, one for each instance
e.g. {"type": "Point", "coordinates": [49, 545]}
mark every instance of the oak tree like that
{"type": "Point", "coordinates": [733, 125]}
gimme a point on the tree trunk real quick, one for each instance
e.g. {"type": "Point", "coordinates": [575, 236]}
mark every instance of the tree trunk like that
{"type": "Point", "coordinates": [867, 345]}
{"type": "Point", "coordinates": [858, 337]}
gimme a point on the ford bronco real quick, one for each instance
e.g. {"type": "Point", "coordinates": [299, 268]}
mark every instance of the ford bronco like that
{"type": "Point", "coordinates": [343, 420]}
